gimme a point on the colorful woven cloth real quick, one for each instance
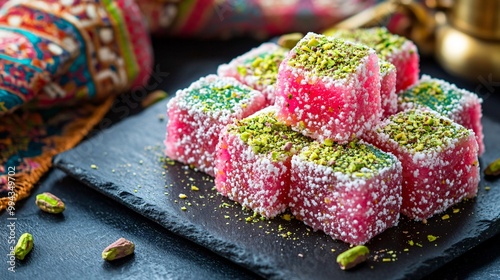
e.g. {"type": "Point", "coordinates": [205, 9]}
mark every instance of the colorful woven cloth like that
{"type": "Point", "coordinates": [55, 54]}
{"type": "Point", "coordinates": [259, 18]}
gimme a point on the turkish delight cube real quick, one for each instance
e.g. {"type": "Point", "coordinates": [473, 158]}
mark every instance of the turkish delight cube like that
{"type": "Point", "coordinates": [198, 113]}
{"type": "Point", "coordinates": [352, 192]}
{"type": "Point", "coordinates": [253, 162]}
{"type": "Point", "coordinates": [395, 49]}
{"type": "Point", "coordinates": [257, 68]}
{"type": "Point", "coordinates": [460, 105]}
{"type": "Point", "coordinates": [328, 88]}
{"type": "Point", "coordinates": [439, 159]}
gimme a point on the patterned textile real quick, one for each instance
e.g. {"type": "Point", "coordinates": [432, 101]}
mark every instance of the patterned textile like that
{"type": "Point", "coordinates": [259, 18]}
{"type": "Point", "coordinates": [55, 54]}
{"type": "Point", "coordinates": [59, 51]}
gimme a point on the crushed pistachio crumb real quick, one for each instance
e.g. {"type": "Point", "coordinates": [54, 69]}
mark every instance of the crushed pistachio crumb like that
{"type": "Point", "coordinates": [418, 130]}
{"type": "Point", "coordinates": [431, 238]}
{"type": "Point", "coordinates": [354, 158]}
{"type": "Point", "coordinates": [194, 188]}
{"type": "Point", "coordinates": [183, 208]}
{"type": "Point", "coordinates": [445, 217]}
{"type": "Point", "coordinates": [266, 135]}
{"type": "Point", "coordinates": [329, 56]}
{"type": "Point", "coordinates": [93, 166]}
{"type": "Point", "coordinates": [264, 67]}
{"type": "Point", "coordinates": [182, 196]}
{"type": "Point", "coordinates": [433, 94]}
{"type": "Point", "coordinates": [218, 95]}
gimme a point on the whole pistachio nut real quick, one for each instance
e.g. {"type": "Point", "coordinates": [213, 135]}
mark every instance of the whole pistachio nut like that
{"type": "Point", "coordinates": [493, 169]}
{"type": "Point", "coordinates": [353, 257]}
{"type": "Point", "coordinates": [289, 41]}
{"type": "Point", "coordinates": [49, 203]}
{"type": "Point", "coordinates": [23, 246]}
{"type": "Point", "coordinates": [118, 249]}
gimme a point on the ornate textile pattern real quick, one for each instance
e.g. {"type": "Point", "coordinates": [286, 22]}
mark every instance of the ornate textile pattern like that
{"type": "Point", "coordinates": [55, 54]}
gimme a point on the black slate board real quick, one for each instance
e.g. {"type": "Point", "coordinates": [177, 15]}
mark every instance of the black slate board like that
{"type": "Point", "coordinates": [129, 170]}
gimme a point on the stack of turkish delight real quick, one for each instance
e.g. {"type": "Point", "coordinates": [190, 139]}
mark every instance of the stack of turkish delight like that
{"type": "Point", "coordinates": [339, 130]}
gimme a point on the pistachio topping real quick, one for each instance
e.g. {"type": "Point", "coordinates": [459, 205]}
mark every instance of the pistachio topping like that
{"type": "Point", "coordinates": [354, 158]}
{"type": "Point", "coordinates": [380, 39]}
{"type": "Point", "coordinates": [266, 135]}
{"type": "Point", "coordinates": [327, 56]}
{"type": "Point", "coordinates": [264, 66]}
{"type": "Point", "coordinates": [433, 94]}
{"type": "Point", "coordinates": [418, 130]}
{"type": "Point", "coordinates": [217, 96]}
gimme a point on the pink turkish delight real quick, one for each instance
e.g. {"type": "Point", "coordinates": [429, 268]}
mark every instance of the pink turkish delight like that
{"type": "Point", "coordinates": [328, 88]}
{"type": "Point", "coordinates": [198, 113]}
{"type": "Point", "coordinates": [257, 68]}
{"type": "Point", "coordinates": [253, 162]}
{"type": "Point", "coordinates": [397, 50]}
{"type": "Point", "coordinates": [351, 192]}
{"type": "Point", "coordinates": [439, 159]}
{"type": "Point", "coordinates": [460, 105]}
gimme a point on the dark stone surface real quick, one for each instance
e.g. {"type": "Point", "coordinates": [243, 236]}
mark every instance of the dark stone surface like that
{"type": "Point", "coordinates": [130, 171]}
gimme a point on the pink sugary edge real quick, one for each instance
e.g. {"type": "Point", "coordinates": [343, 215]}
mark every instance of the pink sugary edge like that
{"type": "Point", "coordinates": [329, 83]}
{"type": "Point", "coordinates": [231, 69]}
{"type": "Point", "coordinates": [394, 170]}
{"type": "Point", "coordinates": [468, 100]}
{"type": "Point", "coordinates": [380, 139]}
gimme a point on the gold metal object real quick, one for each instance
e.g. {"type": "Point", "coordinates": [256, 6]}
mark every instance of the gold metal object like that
{"type": "Point", "coordinates": [469, 44]}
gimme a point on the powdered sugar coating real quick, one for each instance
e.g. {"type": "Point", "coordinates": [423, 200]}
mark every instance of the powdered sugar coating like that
{"type": "Point", "coordinates": [460, 105]}
{"type": "Point", "coordinates": [198, 113]}
{"type": "Point", "coordinates": [351, 207]}
{"type": "Point", "coordinates": [436, 175]}
{"type": "Point", "coordinates": [256, 178]}
{"type": "Point", "coordinates": [249, 71]}
{"type": "Point", "coordinates": [319, 106]}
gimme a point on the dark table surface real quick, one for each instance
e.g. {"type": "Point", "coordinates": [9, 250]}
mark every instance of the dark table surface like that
{"type": "Point", "coordinates": [69, 246]}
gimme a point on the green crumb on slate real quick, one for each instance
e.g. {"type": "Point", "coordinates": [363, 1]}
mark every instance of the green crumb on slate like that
{"type": "Point", "coordinates": [287, 217]}
{"type": "Point", "coordinates": [194, 188]}
{"type": "Point", "coordinates": [353, 257]}
{"type": "Point", "coordinates": [265, 135]}
{"type": "Point", "coordinates": [411, 243]}
{"type": "Point", "coordinates": [93, 166]}
{"type": "Point", "coordinates": [445, 217]}
{"type": "Point", "coordinates": [487, 188]}
{"type": "Point", "coordinates": [431, 238]}
{"type": "Point", "coordinates": [182, 196]}
{"type": "Point", "coordinates": [328, 56]}
{"type": "Point", "coordinates": [183, 208]}
{"type": "Point", "coordinates": [356, 159]}
{"type": "Point", "coordinates": [433, 95]}
{"type": "Point", "coordinates": [419, 131]}
{"type": "Point", "coordinates": [264, 67]}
